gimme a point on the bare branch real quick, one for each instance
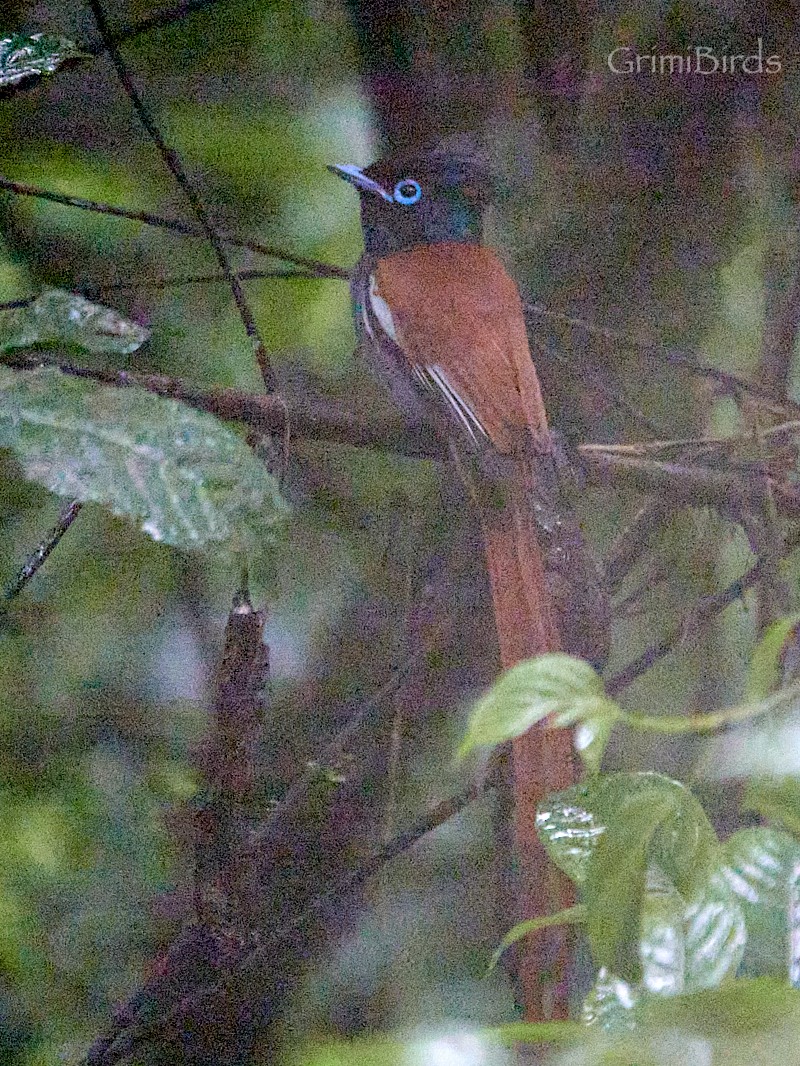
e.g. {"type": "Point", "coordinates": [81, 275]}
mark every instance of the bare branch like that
{"type": "Point", "coordinates": [224, 889]}
{"type": "Point", "coordinates": [662, 353]}
{"type": "Point", "coordinates": [178, 171]}
{"type": "Point", "coordinates": [125, 1038]}
{"type": "Point", "coordinates": [703, 610]}
{"type": "Point", "coordinates": [175, 225]}
{"type": "Point", "coordinates": [37, 558]}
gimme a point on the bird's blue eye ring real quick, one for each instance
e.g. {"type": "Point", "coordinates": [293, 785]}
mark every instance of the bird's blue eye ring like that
{"type": "Point", "coordinates": [407, 191]}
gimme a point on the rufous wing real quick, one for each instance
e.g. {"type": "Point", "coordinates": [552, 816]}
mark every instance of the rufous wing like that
{"type": "Point", "coordinates": [457, 317]}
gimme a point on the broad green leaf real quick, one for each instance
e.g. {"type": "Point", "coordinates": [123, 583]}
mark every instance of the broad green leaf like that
{"type": "Point", "coordinates": [555, 684]}
{"type": "Point", "coordinates": [60, 317]}
{"type": "Point", "coordinates": [745, 1023]}
{"type": "Point", "coordinates": [648, 819]}
{"type": "Point", "coordinates": [187, 478]}
{"type": "Point", "coordinates": [22, 56]}
{"type": "Point", "coordinates": [571, 822]}
{"type": "Point", "coordinates": [759, 864]}
{"type": "Point", "coordinates": [568, 827]}
{"type": "Point", "coordinates": [615, 883]}
{"type": "Point", "coordinates": [568, 916]}
{"type": "Point", "coordinates": [610, 1004]}
{"type": "Point", "coordinates": [715, 934]}
{"type": "Point", "coordinates": [689, 945]}
{"type": "Point", "coordinates": [765, 671]}
{"type": "Point", "coordinates": [661, 938]}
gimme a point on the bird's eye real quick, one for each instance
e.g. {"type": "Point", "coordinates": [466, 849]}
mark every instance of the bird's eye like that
{"type": "Point", "coordinates": [407, 191]}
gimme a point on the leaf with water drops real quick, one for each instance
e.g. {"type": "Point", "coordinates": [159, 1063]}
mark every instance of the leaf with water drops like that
{"type": "Point", "coordinates": [186, 477]}
{"type": "Point", "coordinates": [23, 56]}
{"type": "Point", "coordinates": [568, 827]}
{"type": "Point", "coordinates": [715, 934]}
{"type": "Point", "coordinates": [759, 864]}
{"type": "Point", "coordinates": [649, 820]}
{"type": "Point", "coordinates": [661, 937]}
{"type": "Point", "coordinates": [610, 1004]}
{"type": "Point", "coordinates": [60, 317]}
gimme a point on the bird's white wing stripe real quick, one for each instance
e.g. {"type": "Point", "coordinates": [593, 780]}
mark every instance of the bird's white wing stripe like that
{"type": "Point", "coordinates": [462, 409]}
{"type": "Point", "coordinates": [381, 310]}
{"type": "Point", "coordinates": [433, 377]}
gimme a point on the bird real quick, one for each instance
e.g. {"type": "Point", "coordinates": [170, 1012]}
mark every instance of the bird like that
{"type": "Point", "coordinates": [441, 323]}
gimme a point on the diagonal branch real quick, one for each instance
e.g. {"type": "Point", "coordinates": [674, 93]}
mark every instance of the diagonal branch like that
{"type": "Point", "coordinates": [175, 166]}
{"type": "Point", "coordinates": [125, 1039]}
{"type": "Point", "coordinates": [177, 225]}
{"type": "Point", "coordinates": [662, 353]}
{"type": "Point", "coordinates": [69, 512]}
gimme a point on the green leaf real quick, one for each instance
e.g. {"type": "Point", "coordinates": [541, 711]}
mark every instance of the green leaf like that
{"type": "Point", "coordinates": [187, 478]}
{"type": "Point", "coordinates": [615, 883]}
{"type": "Point", "coordinates": [22, 56]}
{"type": "Point", "coordinates": [661, 938]}
{"type": "Point", "coordinates": [738, 1008]}
{"type": "Point", "coordinates": [568, 916]}
{"type": "Point", "coordinates": [648, 819]}
{"type": "Point", "coordinates": [57, 316]}
{"type": "Point", "coordinates": [538, 1033]}
{"type": "Point", "coordinates": [715, 934]}
{"type": "Point", "coordinates": [744, 1023]}
{"type": "Point", "coordinates": [764, 673]}
{"type": "Point", "coordinates": [570, 823]}
{"type": "Point", "coordinates": [569, 828]}
{"type": "Point", "coordinates": [759, 864]}
{"type": "Point", "coordinates": [610, 1004]}
{"type": "Point", "coordinates": [555, 684]}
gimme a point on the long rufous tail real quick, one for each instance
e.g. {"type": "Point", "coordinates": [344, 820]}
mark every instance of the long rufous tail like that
{"type": "Point", "coordinates": [542, 759]}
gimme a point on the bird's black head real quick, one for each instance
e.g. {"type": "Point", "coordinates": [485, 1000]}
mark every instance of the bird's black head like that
{"type": "Point", "coordinates": [422, 198]}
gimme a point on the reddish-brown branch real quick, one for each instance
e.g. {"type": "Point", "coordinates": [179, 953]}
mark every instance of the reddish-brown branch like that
{"type": "Point", "coordinates": [224, 892]}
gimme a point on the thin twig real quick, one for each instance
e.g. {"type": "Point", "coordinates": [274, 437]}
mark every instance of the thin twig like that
{"type": "Point", "coordinates": [94, 291]}
{"type": "Point", "coordinates": [629, 545]}
{"type": "Point", "coordinates": [36, 559]}
{"type": "Point", "coordinates": [158, 21]}
{"type": "Point", "coordinates": [663, 353]}
{"type": "Point", "coordinates": [176, 168]}
{"type": "Point", "coordinates": [706, 608]}
{"type": "Point", "coordinates": [175, 225]}
{"type": "Point", "coordinates": [113, 1047]}
{"type": "Point", "coordinates": [299, 790]}
{"type": "Point", "coordinates": [595, 382]}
